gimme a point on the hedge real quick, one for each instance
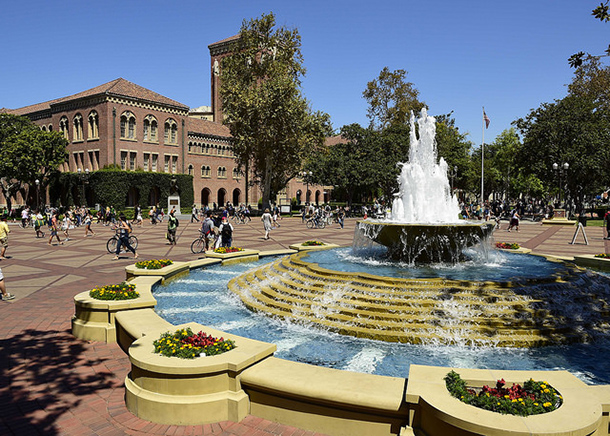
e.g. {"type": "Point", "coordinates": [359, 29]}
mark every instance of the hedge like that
{"type": "Point", "coordinates": [110, 187]}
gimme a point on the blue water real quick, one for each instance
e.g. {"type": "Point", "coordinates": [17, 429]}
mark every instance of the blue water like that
{"type": "Point", "coordinates": [203, 297]}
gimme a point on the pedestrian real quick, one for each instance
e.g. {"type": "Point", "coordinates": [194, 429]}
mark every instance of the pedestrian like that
{"type": "Point", "coordinates": [38, 223]}
{"type": "Point", "coordinates": [54, 229]}
{"type": "Point", "coordinates": [4, 231]}
{"type": "Point", "coordinates": [276, 216]}
{"type": "Point", "coordinates": [607, 219]}
{"type": "Point", "coordinates": [194, 214]}
{"type": "Point", "coordinates": [88, 220]}
{"type": "Point", "coordinates": [226, 233]}
{"type": "Point", "coordinates": [5, 295]}
{"type": "Point", "coordinates": [267, 222]}
{"type": "Point", "coordinates": [124, 231]}
{"type": "Point", "coordinates": [207, 228]}
{"type": "Point", "coordinates": [514, 220]}
{"type": "Point", "coordinates": [67, 223]}
{"type": "Point", "coordinates": [340, 216]}
{"type": "Point", "coordinates": [172, 226]}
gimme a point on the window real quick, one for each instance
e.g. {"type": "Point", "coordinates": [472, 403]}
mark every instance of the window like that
{"type": "Point", "coordinates": [146, 161]}
{"type": "Point", "coordinates": [93, 126]}
{"type": "Point", "coordinates": [171, 132]}
{"type": "Point", "coordinates": [236, 173]}
{"type": "Point", "coordinates": [150, 129]}
{"type": "Point", "coordinates": [222, 172]}
{"type": "Point", "coordinates": [128, 125]}
{"type": "Point", "coordinates": [190, 170]}
{"type": "Point", "coordinates": [77, 126]}
{"type": "Point", "coordinates": [123, 160]}
{"type": "Point", "coordinates": [64, 126]}
{"type": "Point", "coordinates": [132, 160]}
{"type": "Point", "coordinates": [155, 159]}
{"type": "Point", "coordinates": [174, 164]}
{"type": "Point", "coordinates": [91, 165]}
{"type": "Point", "coordinates": [206, 171]}
{"type": "Point", "coordinates": [166, 166]}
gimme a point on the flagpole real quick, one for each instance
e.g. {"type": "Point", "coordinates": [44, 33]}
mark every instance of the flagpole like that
{"type": "Point", "coordinates": [483, 159]}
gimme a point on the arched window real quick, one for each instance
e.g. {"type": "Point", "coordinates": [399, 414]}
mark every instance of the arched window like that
{"type": "Point", "coordinates": [206, 171]}
{"type": "Point", "coordinates": [93, 131]}
{"type": "Point", "coordinates": [236, 173]}
{"type": "Point", "coordinates": [222, 172]}
{"type": "Point", "coordinates": [190, 170]}
{"type": "Point", "coordinates": [128, 125]}
{"type": "Point", "coordinates": [150, 129]}
{"type": "Point", "coordinates": [77, 125]}
{"type": "Point", "coordinates": [171, 131]}
{"type": "Point", "coordinates": [64, 126]}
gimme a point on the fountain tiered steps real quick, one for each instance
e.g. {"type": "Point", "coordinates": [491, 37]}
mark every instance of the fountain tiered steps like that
{"type": "Point", "coordinates": [429, 311]}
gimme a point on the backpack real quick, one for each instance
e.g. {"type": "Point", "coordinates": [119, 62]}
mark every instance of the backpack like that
{"type": "Point", "coordinates": [226, 232]}
{"type": "Point", "coordinates": [177, 222]}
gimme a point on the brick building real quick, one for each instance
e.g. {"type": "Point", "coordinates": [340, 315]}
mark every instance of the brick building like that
{"type": "Point", "coordinates": [121, 123]}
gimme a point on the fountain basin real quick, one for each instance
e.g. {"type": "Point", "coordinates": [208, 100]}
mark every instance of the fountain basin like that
{"type": "Point", "coordinates": [425, 243]}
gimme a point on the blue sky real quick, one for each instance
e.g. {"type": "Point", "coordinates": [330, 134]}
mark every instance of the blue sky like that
{"type": "Point", "coordinates": [508, 56]}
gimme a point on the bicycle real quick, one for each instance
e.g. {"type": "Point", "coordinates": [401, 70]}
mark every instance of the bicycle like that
{"type": "Point", "coordinates": [315, 222]}
{"type": "Point", "coordinates": [198, 245]}
{"type": "Point", "coordinates": [111, 244]}
{"type": "Point", "coordinates": [238, 218]}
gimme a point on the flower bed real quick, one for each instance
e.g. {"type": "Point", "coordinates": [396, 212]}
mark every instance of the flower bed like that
{"type": "Point", "coordinates": [188, 345]}
{"type": "Point", "coordinates": [533, 398]}
{"type": "Point", "coordinates": [312, 243]}
{"type": "Point", "coordinates": [153, 264]}
{"type": "Point", "coordinates": [225, 250]}
{"type": "Point", "coordinates": [507, 246]}
{"type": "Point", "coordinates": [603, 255]}
{"type": "Point", "coordinates": [122, 291]}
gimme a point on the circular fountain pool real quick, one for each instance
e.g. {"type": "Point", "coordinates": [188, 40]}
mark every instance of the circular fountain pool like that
{"type": "Point", "coordinates": [203, 297]}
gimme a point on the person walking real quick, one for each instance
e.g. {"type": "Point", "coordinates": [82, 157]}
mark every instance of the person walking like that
{"type": "Point", "coordinates": [194, 214]}
{"type": "Point", "coordinates": [124, 230]}
{"type": "Point", "coordinates": [607, 219]}
{"type": "Point", "coordinates": [4, 231]}
{"type": "Point", "coordinates": [54, 229]}
{"type": "Point", "coordinates": [88, 220]}
{"type": "Point", "coordinates": [172, 226]}
{"type": "Point", "coordinates": [267, 220]}
{"type": "Point", "coordinates": [226, 233]}
{"type": "Point", "coordinates": [5, 295]}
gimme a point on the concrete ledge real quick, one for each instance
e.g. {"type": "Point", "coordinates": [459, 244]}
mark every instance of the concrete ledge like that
{"type": "Point", "coordinates": [590, 261]}
{"type": "Point", "coordinates": [95, 320]}
{"type": "Point", "coordinates": [559, 222]}
{"type": "Point", "coordinates": [325, 400]}
{"type": "Point", "coordinates": [519, 250]}
{"type": "Point", "coordinates": [435, 412]}
{"type": "Point", "coordinates": [223, 256]}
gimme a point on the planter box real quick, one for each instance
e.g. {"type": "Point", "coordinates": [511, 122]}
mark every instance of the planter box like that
{"type": "Point", "coordinates": [246, 255]}
{"type": "Point", "coordinates": [175, 391]}
{"type": "Point", "coordinates": [590, 261]}
{"type": "Point", "coordinates": [436, 412]}
{"type": "Point", "coordinates": [301, 247]}
{"type": "Point", "coordinates": [167, 271]}
{"type": "Point", "coordinates": [95, 320]}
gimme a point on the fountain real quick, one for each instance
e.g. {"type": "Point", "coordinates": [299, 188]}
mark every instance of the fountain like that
{"type": "Point", "coordinates": [424, 225]}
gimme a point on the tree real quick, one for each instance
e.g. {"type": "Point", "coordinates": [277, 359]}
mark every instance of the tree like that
{"type": "Point", "coordinates": [391, 99]}
{"type": "Point", "coordinates": [453, 146]}
{"type": "Point", "coordinates": [602, 13]}
{"type": "Point", "coordinates": [31, 155]}
{"type": "Point", "coordinates": [273, 127]}
{"type": "Point", "coordinates": [592, 80]}
{"type": "Point", "coordinates": [574, 130]}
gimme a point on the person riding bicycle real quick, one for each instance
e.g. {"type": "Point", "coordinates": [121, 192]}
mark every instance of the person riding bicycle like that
{"type": "Point", "coordinates": [123, 230]}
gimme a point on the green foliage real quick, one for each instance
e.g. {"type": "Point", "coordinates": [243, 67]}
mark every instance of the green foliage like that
{"type": "Point", "coordinates": [273, 127]}
{"type": "Point", "coordinates": [185, 344]}
{"type": "Point", "coordinates": [534, 398]}
{"type": "Point", "coordinates": [600, 13]}
{"type": "Point", "coordinates": [575, 130]}
{"type": "Point", "coordinates": [391, 99]}
{"type": "Point", "coordinates": [111, 186]}
{"type": "Point", "coordinates": [27, 154]}
{"type": "Point", "coordinates": [122, 291]}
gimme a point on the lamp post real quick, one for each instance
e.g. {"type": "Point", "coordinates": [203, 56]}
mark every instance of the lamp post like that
{"type": "Point", "coordinates": [561, 170]}
{"type": "Point", "coordinates": [37, 193]}
{"type": "Point", "coordinates": [84, 180]}
{"type": "Point", "coordinates": [306, 175]}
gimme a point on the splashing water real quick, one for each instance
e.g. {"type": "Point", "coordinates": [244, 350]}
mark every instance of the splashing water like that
{"type": "Point", "coordinates": [424, 195]}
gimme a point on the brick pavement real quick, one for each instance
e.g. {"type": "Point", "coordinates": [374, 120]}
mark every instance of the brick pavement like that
{"type": "Point", "coordinates": [54, 384]}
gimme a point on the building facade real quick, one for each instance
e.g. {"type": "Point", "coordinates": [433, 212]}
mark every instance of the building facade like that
{"type": "Point", "coordinates": [123, 124]}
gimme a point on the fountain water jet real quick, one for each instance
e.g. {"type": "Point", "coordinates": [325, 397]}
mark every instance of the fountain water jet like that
{"type": "Point", "coordinates": [424, 225]}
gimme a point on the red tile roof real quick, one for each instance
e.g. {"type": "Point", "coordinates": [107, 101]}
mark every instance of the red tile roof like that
{"type": "Point", "coordinates": [199, 126]}
{"type": "Point", "coordinates": [222, 41]}
{"type": "Point", "coordinates": [118, 87]}
{"type": "Point", "coordinates": [334, 140]}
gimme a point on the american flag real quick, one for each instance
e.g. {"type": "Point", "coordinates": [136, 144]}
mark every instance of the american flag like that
{"type": "Point", "coordinates": [486, 119]}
